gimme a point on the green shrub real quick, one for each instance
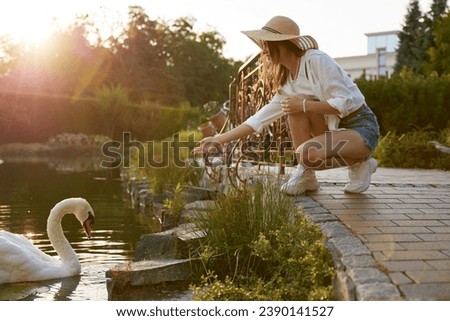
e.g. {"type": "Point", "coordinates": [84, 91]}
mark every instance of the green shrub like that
{"type": "Point", "coordinates": [404, 104]}
{"type": "Point", "coordinates": [238, 219]}
{"type": "Point", "coordinates": [170, 121]}
{"type": "Point", "coordinates": [164, 164]}
{"type": "Point", "coordinates": [35, 118]}
{"type": "Point", "coordinates": [259, 247]}
{"type": "Point", "coordinates": [414, 150]}
{"type": "Point", "coordinates": [444, 136]}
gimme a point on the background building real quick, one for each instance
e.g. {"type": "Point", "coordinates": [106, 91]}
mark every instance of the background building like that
{"type": "Point", "coordinates": [380, 58]}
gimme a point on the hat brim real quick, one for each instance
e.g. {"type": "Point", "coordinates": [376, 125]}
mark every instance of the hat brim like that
{"type": "Point", "coordinates": [303, 42]}
{"type": "Point", "coordinates": [265, 35]}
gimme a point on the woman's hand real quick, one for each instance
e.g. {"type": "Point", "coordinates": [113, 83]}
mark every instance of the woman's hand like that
{"type": "Point", "coordinates": [208, 145]}
{"type": "Point", "coordinates": [294, 104]}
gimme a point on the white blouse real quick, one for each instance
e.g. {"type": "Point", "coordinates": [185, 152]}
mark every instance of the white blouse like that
{"type": "Point", "coordinates": [320, 77]}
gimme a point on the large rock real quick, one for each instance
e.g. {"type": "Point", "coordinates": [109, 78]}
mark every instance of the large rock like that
{"type": "Point", "coordinates": [171, 243]}
{"type": "Point", "coordinates": [140, 279]}
{"type": "Point", "coordinates": [191, 194]}
{"type": "Point", "coordinates": [157, 246]}
{"type": "Point", "coordinates": [163, 257]}
{"type": "Point", "coordinates": [151, 271]}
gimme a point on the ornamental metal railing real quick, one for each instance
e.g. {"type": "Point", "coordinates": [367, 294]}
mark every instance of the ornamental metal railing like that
{"type": "Point", "coordinates": [272, 146]}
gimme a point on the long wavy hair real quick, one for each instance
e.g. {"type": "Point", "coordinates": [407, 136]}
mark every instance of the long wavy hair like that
{"type": "Point", "coordinates": [273, 73]}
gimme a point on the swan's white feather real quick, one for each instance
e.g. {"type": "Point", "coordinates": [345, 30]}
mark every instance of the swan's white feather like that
{"type": "Point", "coordinates": [21, 260]}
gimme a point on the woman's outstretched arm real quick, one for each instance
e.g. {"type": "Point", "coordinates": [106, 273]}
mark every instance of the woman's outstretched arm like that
{"type": "Point", "coordinates": [238, 132]}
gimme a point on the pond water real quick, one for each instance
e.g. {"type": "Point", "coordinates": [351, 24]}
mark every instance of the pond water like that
{"type": "Point", "coordinates": [28, 192]}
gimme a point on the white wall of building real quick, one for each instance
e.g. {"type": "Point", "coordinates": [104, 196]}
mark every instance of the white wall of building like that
{"type": "Point", "coordinates": [356, 66]}
{"type": "Point", "coordinates": [380, 58]}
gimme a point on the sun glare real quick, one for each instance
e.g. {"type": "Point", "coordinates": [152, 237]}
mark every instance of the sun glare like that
{"type": "Point", "coordinates": [32, 32]}
{"type": "Point", "coordinates": [31, 23]}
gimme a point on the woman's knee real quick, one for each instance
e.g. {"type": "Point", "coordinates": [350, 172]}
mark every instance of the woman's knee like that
{"type": "Point", "coordinates": [310, 154]}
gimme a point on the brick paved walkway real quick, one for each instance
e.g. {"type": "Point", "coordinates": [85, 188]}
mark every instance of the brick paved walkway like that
{"type": "Point", "coordinates": [391, 242]}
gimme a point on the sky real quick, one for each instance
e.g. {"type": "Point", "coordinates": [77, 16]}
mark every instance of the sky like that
{"type": "Point", "coordinates": [339, 26]}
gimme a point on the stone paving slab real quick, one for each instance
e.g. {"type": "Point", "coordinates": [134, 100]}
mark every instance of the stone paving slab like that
{"type": "Point", "coordinates": [393, 241]}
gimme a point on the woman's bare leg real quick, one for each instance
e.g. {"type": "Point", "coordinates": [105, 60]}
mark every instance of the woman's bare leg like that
{"type": "Point", "coordinates": [305, 126]}
{"type": "Point", "coordinates": [317, 148]}
{"type": "Point", "coordinates": [333, 149]}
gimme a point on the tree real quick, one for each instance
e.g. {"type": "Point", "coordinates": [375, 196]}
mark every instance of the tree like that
{"type": "Point", "coordinates": [437, 11]}
{"type": "Point", "coordinates": [141, 56]}
{"type": "Point", "coordinates": [431, 21]}
{"type": "Point", "coordinates": [439, 54]}
{"type": "Point", "coordinates": [197, 62]}
{"type": "Point", "coordinates": [411, 52]}
{"type": "Point", "coordinates": [63, 65]}
{"type": "Point", "coordinates": [418, 36]}
{"type": "Point", "coordinates": [151, 60]}
{"type": "Point", "coordinates": [9, 53]}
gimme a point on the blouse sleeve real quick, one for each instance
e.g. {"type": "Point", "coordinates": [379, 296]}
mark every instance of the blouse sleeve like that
{"type": "Point", "coordinates": [266, 115]}
{"type": "Point", "coordinates": [335, 85]}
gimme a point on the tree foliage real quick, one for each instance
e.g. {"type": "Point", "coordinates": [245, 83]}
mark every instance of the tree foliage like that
{"type": "Point", "coordinates": [8, 52]}
{"type": "Point", "coordinates": [417, 36]}
{"type": "Point", "coordinates": [439, 54]}
{"type": "Point", "coordinates": [410, 53]}
{"type": "Point", "coordinates": [196, 62]}
{"type": "Point", "coordinates": [152, 60]}
{"type": "Point", "coordinates": [431, 19]}
{"type": "Point", "coordinates": [77, 80]}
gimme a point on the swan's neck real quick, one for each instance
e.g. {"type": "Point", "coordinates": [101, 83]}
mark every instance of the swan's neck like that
{"type": "Point", "coordinates": [57, 237]}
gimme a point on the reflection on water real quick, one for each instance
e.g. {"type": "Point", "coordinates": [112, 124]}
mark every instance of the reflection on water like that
{"type": "Point", "coordinates": [29, 191]}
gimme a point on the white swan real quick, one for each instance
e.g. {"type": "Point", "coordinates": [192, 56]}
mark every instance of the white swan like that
{"type": "Point", "coordinates": [21, 260]}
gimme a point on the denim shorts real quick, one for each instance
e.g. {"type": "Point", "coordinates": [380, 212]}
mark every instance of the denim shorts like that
{"type": "Point", "coordinates": [366, 124]}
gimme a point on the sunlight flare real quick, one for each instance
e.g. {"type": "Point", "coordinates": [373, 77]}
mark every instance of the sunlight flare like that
{"type": "Point", "coordinates": [31, 25]}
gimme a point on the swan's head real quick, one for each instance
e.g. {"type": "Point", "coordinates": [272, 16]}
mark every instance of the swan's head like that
{"type": "Point", "coordinates": [81, 209]}
{"type": "Point", "coordinates": [85, 214]}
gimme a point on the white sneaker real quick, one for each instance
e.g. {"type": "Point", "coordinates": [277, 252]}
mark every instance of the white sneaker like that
{"type": "Point", "coordinates": [360, 175]}
{"type": "Point", "coordinates": [302, 180]}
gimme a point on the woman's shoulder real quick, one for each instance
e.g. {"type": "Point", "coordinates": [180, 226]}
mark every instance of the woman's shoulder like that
{"type": "Point", "coordinates": [319, 59]}
{"type": "Point", "coordinates": [317, 54]}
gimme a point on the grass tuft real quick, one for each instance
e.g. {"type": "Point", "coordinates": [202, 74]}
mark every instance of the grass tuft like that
{"type": "Point", "coordinates": [259, 246]}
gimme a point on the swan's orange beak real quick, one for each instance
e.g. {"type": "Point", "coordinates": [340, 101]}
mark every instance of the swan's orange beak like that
{"type": "Point", "coordinates": [87, 225]}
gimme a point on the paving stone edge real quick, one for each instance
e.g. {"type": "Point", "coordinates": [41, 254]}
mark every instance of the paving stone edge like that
{"type": "Point", "coordinates": [358, 277]}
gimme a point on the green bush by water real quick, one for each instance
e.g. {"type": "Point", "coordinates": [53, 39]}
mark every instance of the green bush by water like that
{"type": "Point", "coordinates": [259, 246]}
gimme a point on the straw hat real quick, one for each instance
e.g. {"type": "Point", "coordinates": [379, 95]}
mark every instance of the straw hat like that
{"type": "Point", "coordinates": [281, 28]}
